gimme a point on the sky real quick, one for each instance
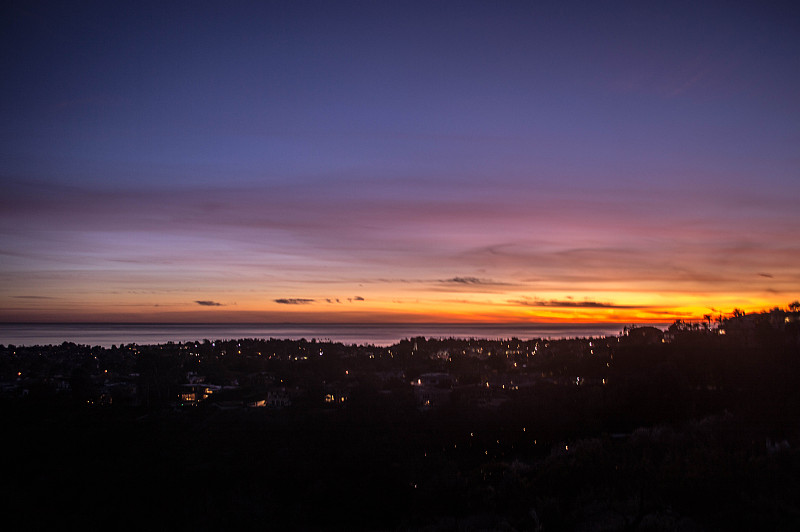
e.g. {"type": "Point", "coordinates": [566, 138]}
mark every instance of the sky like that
{"type": "Point", "coordinates": [340, 161]}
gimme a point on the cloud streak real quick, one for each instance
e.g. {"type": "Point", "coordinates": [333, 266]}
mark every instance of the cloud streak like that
{"type": "Point", "coordinates": [568, 303]}
{"type": "Point", "coordinates": [207, 303]}
{"type": "Point", "coordinates": [469, 281]}
{"type": "Point", "coordinates": [471, 284]}
{"type": "Point", "coordinates": [294, 301]}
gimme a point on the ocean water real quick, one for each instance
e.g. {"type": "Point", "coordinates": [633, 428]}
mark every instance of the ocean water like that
{"type": "Point", "coordinates": [108, 334]}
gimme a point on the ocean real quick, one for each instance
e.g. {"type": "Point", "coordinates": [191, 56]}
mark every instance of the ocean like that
{"type": "Point", "coordinates": [108, 334]}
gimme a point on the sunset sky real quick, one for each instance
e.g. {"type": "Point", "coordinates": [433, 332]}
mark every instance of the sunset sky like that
{"type": "Point", "coordinates": [398, 161]}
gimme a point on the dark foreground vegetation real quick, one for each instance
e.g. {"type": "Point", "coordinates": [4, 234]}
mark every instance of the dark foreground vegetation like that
{"type": "Point", "coordinates": [685, 429]}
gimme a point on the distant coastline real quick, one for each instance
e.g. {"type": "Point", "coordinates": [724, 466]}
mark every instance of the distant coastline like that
{"type": "Point", "coordinates": [381, 334]}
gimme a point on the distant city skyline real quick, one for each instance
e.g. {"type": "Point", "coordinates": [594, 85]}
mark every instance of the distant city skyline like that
{"type": "Point", "coordinates": [398, 161]}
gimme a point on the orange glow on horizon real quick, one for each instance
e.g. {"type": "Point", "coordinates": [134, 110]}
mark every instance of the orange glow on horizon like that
{"type": "Point", "coordinates": [503, 309]}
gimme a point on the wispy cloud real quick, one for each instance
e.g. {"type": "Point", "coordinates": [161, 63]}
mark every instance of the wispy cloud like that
{"type": "Point", "coordinates": [33, 297]}
{"type": "Point", "coordinates": [568, 303]}
{"type": "Point", "coordinates": [464, 280]}
{"type": "Point", "coordinates": [294, 301]}
{"type": "Point", "coordinates": [474, 284]}
{"type": "Point", "coordinates": [206, 303]}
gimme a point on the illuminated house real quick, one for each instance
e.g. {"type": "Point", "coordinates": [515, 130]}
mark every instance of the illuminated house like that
{"type": "Point", "coordinates": [338, 396]}
{"type": "Point", "coordinates": [193, 394]}
{"type": "Point", "coordinates": [432, 389]}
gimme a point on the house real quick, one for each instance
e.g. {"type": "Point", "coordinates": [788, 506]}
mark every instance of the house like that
{"type": "Point", "coordinates": [193, 394]}
{"type": "Point", "coordinates": [642, 336]}
{"type": "Point", "coordinates": [433, 389]}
